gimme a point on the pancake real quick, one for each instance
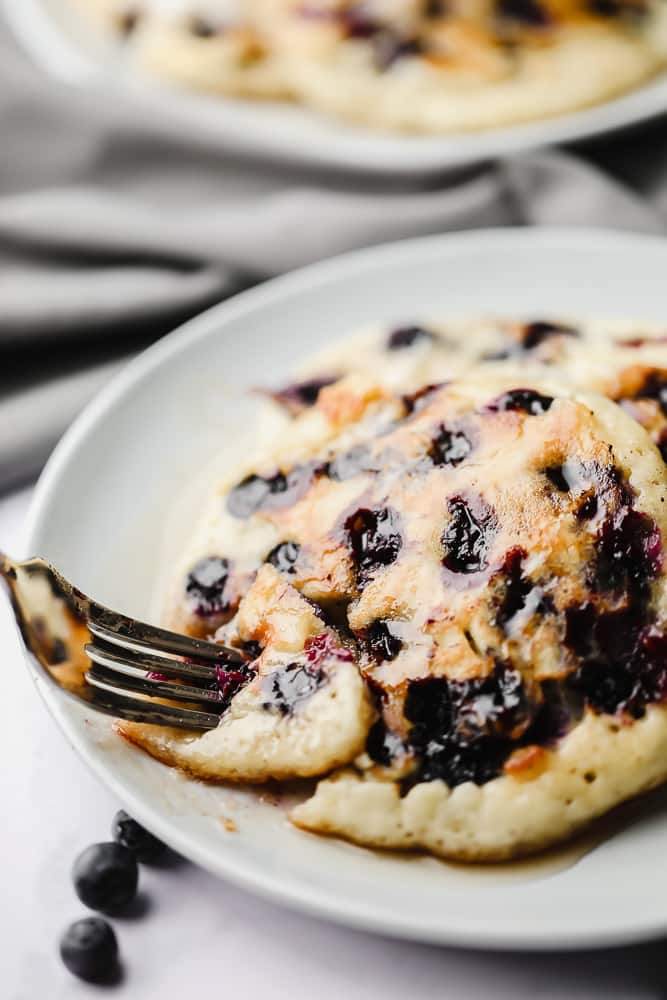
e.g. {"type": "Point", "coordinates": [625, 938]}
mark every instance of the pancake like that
{"type": "Point", "coordinates": [416, 65]}
{"type": "Point", "coordinates": [469, 582]}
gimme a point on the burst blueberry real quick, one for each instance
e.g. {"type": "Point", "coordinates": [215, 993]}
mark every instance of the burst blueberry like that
{"type": "Point", "coordinates": [374, 539]}
{"type": "Point", "coordinates": [468, 535]}
{"type": "Point", "coordinates": [449, 447]}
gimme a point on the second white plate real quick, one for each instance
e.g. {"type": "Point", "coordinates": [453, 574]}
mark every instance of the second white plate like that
{"type": "Point", "coordinates": [57, 41]}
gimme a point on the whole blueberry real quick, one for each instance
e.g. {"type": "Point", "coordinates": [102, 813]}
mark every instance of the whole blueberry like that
{"type": "Point", "coordinates": [105, 876]}
{"type": "Point", "coordinates": [136, 838]}
{"type": "Point", "coordinates": [89, 949]}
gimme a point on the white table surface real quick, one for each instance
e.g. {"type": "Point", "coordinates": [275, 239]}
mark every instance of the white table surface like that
{"type": "Point", "coordinates": [199, 936]}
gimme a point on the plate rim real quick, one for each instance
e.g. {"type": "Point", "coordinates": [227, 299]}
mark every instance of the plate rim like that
{"type": "Point", "coordinates": [318, 902]}
{"type": "Point", "coordinates": [404, 155]}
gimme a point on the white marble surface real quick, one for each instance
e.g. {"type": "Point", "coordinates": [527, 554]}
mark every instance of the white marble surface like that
{"type": "Point", "coordinates": [198, 935]}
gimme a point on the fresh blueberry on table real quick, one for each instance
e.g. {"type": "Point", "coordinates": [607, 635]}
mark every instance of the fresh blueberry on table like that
{"type": "Point", "coordinates": [136, 838]}
{"type": "Point", "coordinates": [105, 877]}
{"type": "Point", "coordinates": [89, 949]}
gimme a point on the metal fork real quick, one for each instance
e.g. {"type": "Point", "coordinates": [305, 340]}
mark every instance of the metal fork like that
{"type": "Point", "coordinates": [105, 659]}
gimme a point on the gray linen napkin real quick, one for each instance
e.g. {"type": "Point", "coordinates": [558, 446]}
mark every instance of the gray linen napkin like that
{"type": "Point", "coordinates": [116, 223]}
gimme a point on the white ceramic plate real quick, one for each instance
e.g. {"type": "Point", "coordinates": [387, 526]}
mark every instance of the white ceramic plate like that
{"type": "Point", "coordinates": [56, 39]}
{"type": "Point", "coordinates": [100, 513]}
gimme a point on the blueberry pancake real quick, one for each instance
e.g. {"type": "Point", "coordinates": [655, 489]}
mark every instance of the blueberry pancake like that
{"type": "Point", "coordinates": [456, 65]}
{"type": "Point", "coordinates": [459, 597]}
{"type": "Point", "coordinates": [622, 360]}
{"type": "Point", "coordinates": [414, 65]}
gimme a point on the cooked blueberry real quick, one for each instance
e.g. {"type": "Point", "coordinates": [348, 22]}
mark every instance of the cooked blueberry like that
{"type": "Point", "coordinates": [127, 22]}
{"type": "Point", "coordinates": [89, 949]}
{"type": "Point", "coordinates": [525, 400]}
{"type": "Point", "coordinates": [269, 492]}
{"type": "Point", "coordinates": [617, 8]}
{"type": "Point", "coordinates": [416, 401]}
{"type": "Point", "coordinates": [374, 538]}
{"type": "Point", "coordinates": [381, 642]}
{"type": "Point", "coordinates": [201, 27]}
{"type": "Point", "coordinates": [468, 535]}
{"type": "Point", "coordinates": [382, 745]}
{"type": "Point", "coordinates": [136, 838]}
{"type": "Point", "coordinates": [556, 476]}
{"type": "Point", "coordinates": [580, 479]}
{"type": "Point", "coordinates": [298, 396]}
{"type": "Point", "coordinates": [655, 387]}
{"type": "Point", "coordinates": [105, 877]}
{"type": "Point", "coordinates": [357, 23]}
{"type": "Point", "coordinates": [623, 660]}
{"type": "Point", "coordinates": [435, 8]}
{"type": "Point", "coordinates": [596, 635]}
{"type": "Point", "coordinates": [286, 688]}
{"type": "Point", "coordinates": [516, 588]}
{"type": "Point", "coordinates": [559, 709]}
{"type": "Point", "coordinates": [529, 12]}
{"type": "Point", "coordinates": [449, 447]}
{"type": "Point", "coordinates": [588, 508]}
{"type": "Point", "coordinates": [252, 649]}
{"type": "Point", "coordinates": [389, 48]}
{"type": "Point", "coordinates": [325, 646]}
{"type": "Point", "coordinates": [628, 552]}
{"type": "Point", "coordinates": [640, 341]}
{"type": "Point", "coordinates": [407, 336]}
{"type": "Point", "coordinates": [59, 652]}
{"type": "Point", "coordinates": [536, 333]}
{"type": "Point", "coordinates": [284, 556]}
{"type": "Point", "coordinates": [606, 687]}
{"type": "Point", "coordinates": [350, 463]}
{"type": "Point", "coordinates": [464, 731]}
{"type": "Point", "coordinates": [604, 8]}
{"type": "Point", "coordinates": [230, 680]}
{"type": "Point", "coordinates": [250, 494]}
{"type": "Point", "coordinates": [205, 586]}
{"type": "Point", "coordinates": [651, 654]}
{"type": "Point", "coordinates": [579, 625]}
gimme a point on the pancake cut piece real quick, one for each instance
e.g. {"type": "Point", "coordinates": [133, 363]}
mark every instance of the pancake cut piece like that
{"type": "Point", "coordinates": [298, 708]}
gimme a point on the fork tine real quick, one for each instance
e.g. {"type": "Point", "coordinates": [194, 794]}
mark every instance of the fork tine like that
{"type": "Point", "coordinates": [110, 702]}
{"type": "Point", "coordinates": [122, 631]}
{"type": "Point", "coordinates": [107, 655]}
{"type": "Point", "coordinates": [101, 676]}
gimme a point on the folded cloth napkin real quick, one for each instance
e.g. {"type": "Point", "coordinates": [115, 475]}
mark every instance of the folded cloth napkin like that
{"type": "Point", "coordinates": [117, 222]}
